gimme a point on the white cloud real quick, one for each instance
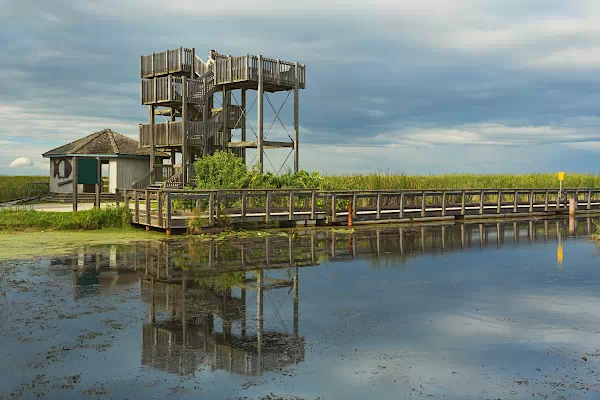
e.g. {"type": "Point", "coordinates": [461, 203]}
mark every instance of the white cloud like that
{"type": "Point", "coordinates": [21, 162]}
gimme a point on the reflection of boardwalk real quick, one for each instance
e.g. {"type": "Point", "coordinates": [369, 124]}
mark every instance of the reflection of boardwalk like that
{"type": "Point", "coordinates": [191, 325]}
{"type": "Point", "coordinates": [170, 260]}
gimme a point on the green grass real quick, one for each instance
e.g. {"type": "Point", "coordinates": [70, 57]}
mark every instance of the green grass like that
{"type": "Point", "coordinates": [397, 181]}
{"type": "Point", "coordinates": [15, 187]}
{"type": "Point", "coordinates": [27, 245]}
{"type": "Point", "coordinates": [83, 220]}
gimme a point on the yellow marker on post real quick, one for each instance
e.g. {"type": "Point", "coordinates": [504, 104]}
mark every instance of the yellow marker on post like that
{"type": "Point", "coordinates": [561, 178]}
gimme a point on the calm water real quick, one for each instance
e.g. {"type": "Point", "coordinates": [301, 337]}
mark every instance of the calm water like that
{"type": "Point", "coordinates": [498, 311]}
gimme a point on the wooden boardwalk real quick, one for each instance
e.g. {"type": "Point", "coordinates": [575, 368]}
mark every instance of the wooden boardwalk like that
{"type": "Point", "coordinates": [175, 208]}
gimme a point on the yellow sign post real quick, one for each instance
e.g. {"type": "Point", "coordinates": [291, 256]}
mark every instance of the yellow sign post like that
{"type": "Point", "coordinates": [561, 178]}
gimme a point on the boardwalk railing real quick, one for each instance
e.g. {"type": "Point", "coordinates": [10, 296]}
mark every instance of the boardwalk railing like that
{"type": "Point", "coordinates": [173, 208]}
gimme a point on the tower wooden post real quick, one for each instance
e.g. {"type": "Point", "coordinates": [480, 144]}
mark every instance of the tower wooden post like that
{"type": "Point", "coordinates": [296, 120]}
{"type": "Point", "coordinates": [98, 181]}
{"type": "Point", "coordinates": [259, 147]}
{"type": "Point", "coordinates": [243, 123]}
{"type": "Point", "coordinates": [184, 148]}
{"type": "Point", "coordinates": [152, 121]}
{"type": "Point", "coordinates": [75, 182]}
{"type": "Point", "coordinates": [226, 112]}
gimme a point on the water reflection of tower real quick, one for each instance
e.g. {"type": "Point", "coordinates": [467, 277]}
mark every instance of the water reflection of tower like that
{"type": "Point", "coordinates": [206, 323]}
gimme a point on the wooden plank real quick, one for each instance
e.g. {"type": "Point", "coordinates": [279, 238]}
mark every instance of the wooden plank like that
{"type": "Point", "coordinates": [499, 208]}
{"type": "Point", "coordinates": [253, 144]}
{"type": "Point", "coordinates": [423, 203]}
{"type": "Point", "coordinates": [546, 200]}
{"type": "Point", "coordinates": [589, 200]}
{"type": "Point", "coordinates": [462, 203]}
{"type": "Point", "coordinates": [378, 205]}
{"type": "Point", "coordinates": [354, 204]}
{"type": "Point", "coordinates": [291, 205]}
{"type": "Point", "coordinates": [516, 202]}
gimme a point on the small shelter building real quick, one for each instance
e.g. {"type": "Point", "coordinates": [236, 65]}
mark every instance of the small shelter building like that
{"type": "Point", "coordinates": [122, 161]}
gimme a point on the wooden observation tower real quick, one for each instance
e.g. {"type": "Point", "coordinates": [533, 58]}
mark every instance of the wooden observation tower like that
{"type": "Point", "coordinates": [179, 86]}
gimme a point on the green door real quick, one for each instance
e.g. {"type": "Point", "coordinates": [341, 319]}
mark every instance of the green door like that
{"type": "Point", "coordinates": [87, 171]}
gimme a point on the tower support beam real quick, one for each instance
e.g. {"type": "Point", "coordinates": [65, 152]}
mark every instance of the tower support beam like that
{"type": "Point", "coordinates": [259, 103]}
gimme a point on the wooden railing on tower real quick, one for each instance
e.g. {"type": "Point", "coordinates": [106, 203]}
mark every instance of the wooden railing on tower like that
{"type": "Point", "coordinates": [166, 62]}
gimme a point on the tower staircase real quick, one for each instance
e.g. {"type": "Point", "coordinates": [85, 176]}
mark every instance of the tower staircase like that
{"type": "Point", "coordinates": [179, 87]}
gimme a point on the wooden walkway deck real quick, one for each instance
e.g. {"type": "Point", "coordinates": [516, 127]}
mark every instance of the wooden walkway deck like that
{"type": "Point", "coordinates": [175, 209]}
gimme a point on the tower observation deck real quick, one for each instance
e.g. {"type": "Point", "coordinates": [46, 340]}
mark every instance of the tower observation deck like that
{"type": "Point", "coordinates": [179, 85]}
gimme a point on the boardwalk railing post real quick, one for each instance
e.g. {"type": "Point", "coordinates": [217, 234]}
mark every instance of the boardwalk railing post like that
{"type": "Point", "coordinates": [169, 212]}
{"type": "Point", "coordinates": [211, 208]}
{"type": "Point", "coordinates": [481, 202]}
{"type": "Point", "coordinates": [531, 200]}
{"type": "Point", "coordinates": [378, 205]}
{"type": "Point", "coordinates": [333, 206]}
{"type": "Point", "coordinates": [589, 200]}
{"type": "Point", "coordinates": [117, 197]}
{"type": "Point", "coordinates": [443, 204]}
{"type": "Point", "coordinates": [218, 204]}
{"type": "Point", "coordinates": [423, 204]}
{"type": "Point", "coordinates": [516, 202]}
{"type": "Point", "coordinates": [291, 206]}
{"type": "Point", "coordinates": [354, 205]}
{"type": "Point", "coordinates": [159, 207]}
{"type": "Point", "coordinates": [546, 200]}
{"type": "Point", "coordinates": [137, 206]}
{"type": "Point", "coordinates": [401, 205]}
{"type": "Point", "coordinates": [126, 199]}
{"type": "Point", "coordinates": [148, 217]}
{"type": "Point", "coordinates": [244, 194]}
{"type": "Point", "coordinates": [268, 206]}
{"type": "Point", "coordinates": [499, 202]}
{"type": "Point", "coordinates": [558, 200]}
{"type": "Point", "coordinates": [462, 203]}
{"type": "Point", "coordinates": [313, 205]}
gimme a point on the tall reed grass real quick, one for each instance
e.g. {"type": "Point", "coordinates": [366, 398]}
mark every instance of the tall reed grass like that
{"type": "Point", "coordinates": [398, 181]}
{"type": "Point", "coordinates": [15, 187]}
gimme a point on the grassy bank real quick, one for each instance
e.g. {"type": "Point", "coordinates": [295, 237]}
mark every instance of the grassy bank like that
{"type": "Point", "coordinates": [396, 181]}
{"type": "Point", "coordinates": [14, 187]}
{"type": "Point", "coordinates": [83, 220]}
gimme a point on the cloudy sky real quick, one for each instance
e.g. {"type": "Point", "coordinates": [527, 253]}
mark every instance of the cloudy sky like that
{"type": "Point", "coordinates": [422, 87]}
